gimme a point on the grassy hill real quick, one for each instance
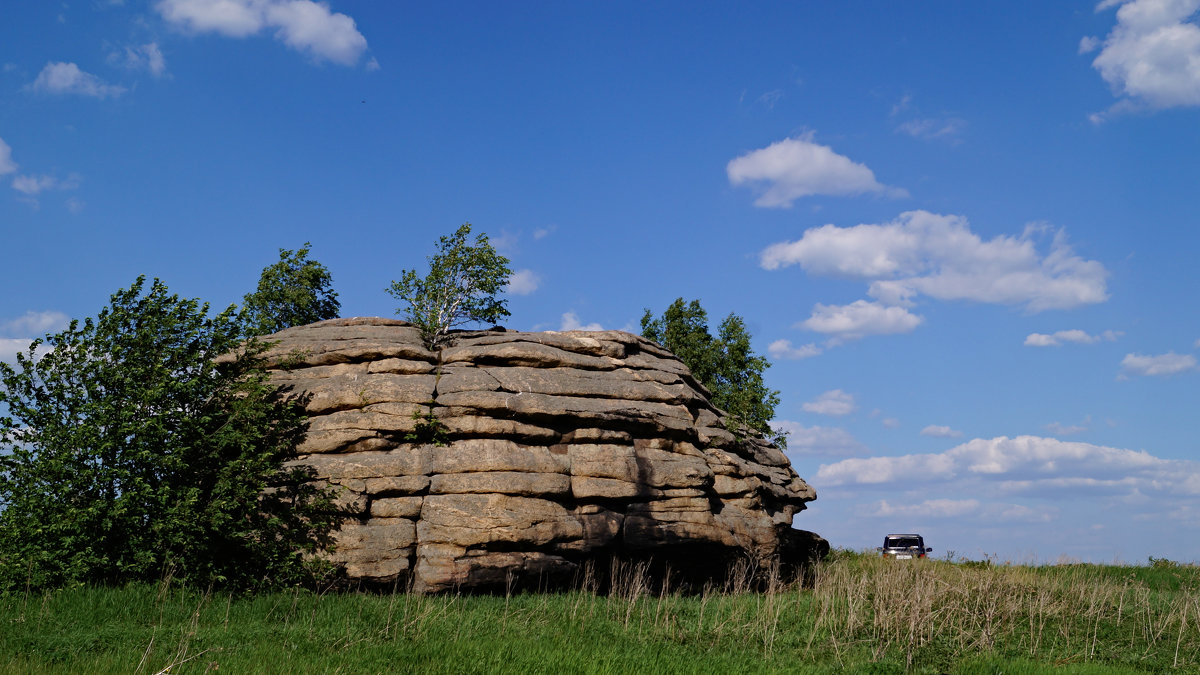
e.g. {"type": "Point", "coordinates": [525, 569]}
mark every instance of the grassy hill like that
{"type": "Point", "coordinates": [861, 614]}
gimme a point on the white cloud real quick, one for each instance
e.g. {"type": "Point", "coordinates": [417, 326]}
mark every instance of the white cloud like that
{"type": "Point", "coordinates": [35, 323]}
{"type": "Point", "coordinates": [1068, 429]}
{"type": "Point", "coordinates": [306, 26]}
{"type": "Point", "coordinates": [949, 128]}
{"type": "Point", "coordinates": [67, 78]}
{"type": "Point", "coordinates": [543, 232]}
{"type": "Point", "coordinates": [1152, 56]}
{"type": "Point", "coordinates": [570, 321]}
{"type": "Point", "coordinates": [834, 402]}
{"type": "Point", "coordinates": [523, 282]}
{"type": "Point", "coordinates": [1160, 365]}
{"type": "Point", "coordinates": [146, 57]}
{"type": "Point", "coordinates": [783, 349]}
{"type": "Point", "coordinates": [10, 347]}
{"type": "Point", "coordinates": [797, 167]}
{"type": "Point", "coordinates": [1076, 336]}
{"type": "Point", "coordinates": [826, 441]}
{"type": "Point", "coordinates": [1088, 44]}
{"type": "Point", "coordinates": [890, 423]}
{"type": "Point", "coordinates": [7, 165]}
{"type": "Point", "coordinates": [1028, 462]}
{"type": "Point", "coordinates": [860, 319]}
{"type": "Point", "coordinates": [34, 185]}
{"type": "Point", "coordinates": [940, 431]}
{"type": "Point", "coordinates": [24, 328]}
{"type": "Point", "coordinates": [930, 508]}
{"type": "Point", "coordinates": [939, 256]}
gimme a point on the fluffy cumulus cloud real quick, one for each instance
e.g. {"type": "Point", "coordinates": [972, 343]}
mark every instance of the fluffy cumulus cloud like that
{"type": "Point", "coordinates": [1152, 56]}
{"type": "Point", "coordinates": [67, 78]}
{"type": "Point", "coordinates": [1021, 464]}
{"type": "Point", "coordinates": [306, 26]}
{"type": "Point", "coordinates": [1157, 365]}
{"type": "Point", "coordinates": [940, 431]}
{"type": "Point", "coordinates": [1073, 500]}
{"type": "Point", "coordinates": [1074, 336]}
{"type": "Point", "coordinates": [937, 256]}
{"type": "Point", "coordinates": [799, 167]}
{"type": "Point", "coordinates": [834, 402]}
{"type": "Point", "coordinates": [818, 440]}
{"type": "Point", "coordinates": [570, 321]}
{"type": "Point", "coordinates": [783, 349]}
{"type": "Point", "coordinates": [860, 319]}
{"type": "Point", "coordinates": [523, 282]}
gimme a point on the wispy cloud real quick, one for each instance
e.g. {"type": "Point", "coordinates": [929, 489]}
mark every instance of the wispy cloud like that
{"type": "Point", "coordinates": [783, 349]}
{"type": "Point", "coordinates": [818, 441]}
{"type": "Point", "coordinates": [799, 167]}
{"type": "Point", "coordinates": [523, 282]}
{"type": "Point", "coordinates": [570, 321]}
{"type": "Point", "coordinates": [147, 57]}
{"type": "Point", "coordinates": [941, 431]}
{"type": "Point", "coordinates": [929, 128]}
{"type": "Point", "coordinates": [834, 402]}
{"type": "Point", "coordinates": [1160, 365]}
{"type": "Point", "coordinates": [1075, 336]}
{"type": "Point", "coordinates": [1069, 429]}
{"type": "Point", "coordinates": [306, 26]}
{"type": "Point", "coordinates": [7, 165]}
{"type": "Point", "coordinates": [68, 79]}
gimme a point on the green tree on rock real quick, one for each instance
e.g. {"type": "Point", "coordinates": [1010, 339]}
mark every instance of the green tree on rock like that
{"type": "Point", "coordinates": [726, 364]}
{"type": "Point", "coordinates": [293, 292]}
{"type": "Point", "coordinates": [461, 287]}
{"type": "Point", "coordinates": [149, 440]}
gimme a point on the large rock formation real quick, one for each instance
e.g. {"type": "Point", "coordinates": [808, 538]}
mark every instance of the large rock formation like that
{"type": "Point", "coordinates": [507, 457]}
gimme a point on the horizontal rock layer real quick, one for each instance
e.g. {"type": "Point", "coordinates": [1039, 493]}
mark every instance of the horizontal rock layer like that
{"type": "Point", "coordinates": [508, 455]}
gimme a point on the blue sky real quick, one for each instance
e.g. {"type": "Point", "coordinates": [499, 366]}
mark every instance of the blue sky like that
{"type": "Point", "coordinates": [964, 232]}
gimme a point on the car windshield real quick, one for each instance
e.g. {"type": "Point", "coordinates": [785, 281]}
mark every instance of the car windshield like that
{"type": "Point", "coordinates": [902, 542]}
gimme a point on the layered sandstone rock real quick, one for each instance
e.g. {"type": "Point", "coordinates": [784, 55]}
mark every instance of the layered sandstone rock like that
{"type": "Point", "coordinates": [519, 456]}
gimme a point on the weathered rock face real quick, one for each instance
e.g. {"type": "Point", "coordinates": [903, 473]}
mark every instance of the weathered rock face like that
{"type": "Point", "coordinates": [510, 456]}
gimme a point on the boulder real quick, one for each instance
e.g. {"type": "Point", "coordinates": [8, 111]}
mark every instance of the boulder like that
{"type": "Point", "coordinates": [507, 458]}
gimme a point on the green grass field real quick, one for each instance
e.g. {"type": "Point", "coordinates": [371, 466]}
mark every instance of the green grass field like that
{"type": "Point", "coordinates": [862, 615]}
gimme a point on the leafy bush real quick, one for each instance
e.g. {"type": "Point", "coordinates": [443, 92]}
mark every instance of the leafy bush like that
{"type": "Point", "coordinates": [130, 449]}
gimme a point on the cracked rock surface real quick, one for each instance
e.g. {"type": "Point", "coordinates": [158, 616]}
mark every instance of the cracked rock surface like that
{"type": "Point", "coordinates": [552, 449]}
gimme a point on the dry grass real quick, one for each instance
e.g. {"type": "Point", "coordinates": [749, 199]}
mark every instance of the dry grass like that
{"type": "Point", "coordinates": [860, 613]}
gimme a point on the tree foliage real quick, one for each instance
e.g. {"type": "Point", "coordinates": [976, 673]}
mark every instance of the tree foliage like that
{"type": "Point", "coordinates": [725, 364]}
{"type": "Point", "coordinates": [130, 449]}
{"type": "Point", "coordinates": [293, 292]}
{"type": "Point", "coordinates": [461, 287]}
